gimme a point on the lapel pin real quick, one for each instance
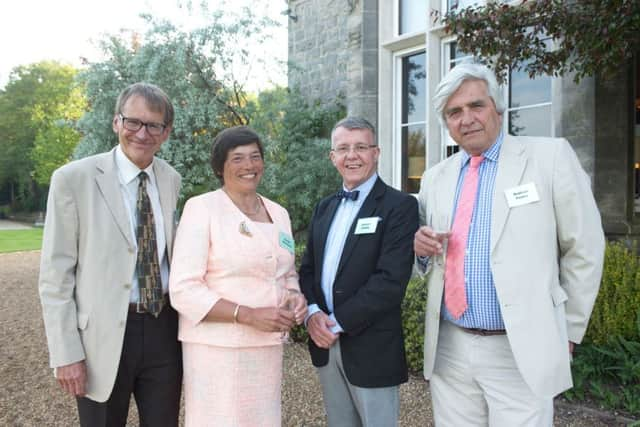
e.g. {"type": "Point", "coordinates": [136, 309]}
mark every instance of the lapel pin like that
{"type": "Point", "coordinates": [244, 229]}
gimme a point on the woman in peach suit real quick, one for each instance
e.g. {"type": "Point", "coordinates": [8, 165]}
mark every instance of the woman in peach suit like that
{"type": "Point", "coordinates": [232, 269]}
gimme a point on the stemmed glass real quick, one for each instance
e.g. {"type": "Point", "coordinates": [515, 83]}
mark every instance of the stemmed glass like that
{"type": "Point", "coordinates": [287, 301]}
{"type": "Point", "coordinates": [440, 224]}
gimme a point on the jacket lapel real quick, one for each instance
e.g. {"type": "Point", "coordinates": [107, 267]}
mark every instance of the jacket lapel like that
{"type": "Point", "coordinates": [165, 193]}
{"type": "Point", "coordinates": [511, 165]}
{"type": "Point", "coordinates": [109, 185]}
{"type": "Point", "coordinates": [446, 183]}
{"type": "Point", "coordinates": [324, 222]}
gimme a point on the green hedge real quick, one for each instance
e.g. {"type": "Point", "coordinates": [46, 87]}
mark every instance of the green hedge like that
{"type": "Point", "coordinates": [617, 309]}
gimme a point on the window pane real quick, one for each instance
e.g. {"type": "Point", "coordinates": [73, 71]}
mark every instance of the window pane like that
{"type": "Point", "coordinates": [414, 87]}
{"type": "Point", "coordinates": [531, 121]}
{"type": "Point", "coordinates": [526, 91]}
{"type": "Point", "coordinates": [413, 157]}
{"type": "Point", "coordinates": [413, 16]}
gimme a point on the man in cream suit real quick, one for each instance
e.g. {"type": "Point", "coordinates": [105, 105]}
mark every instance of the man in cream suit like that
{"type": "Point", "coordinates": [528, 262]}
{"type": "Point", "coordinates": [110, 328]}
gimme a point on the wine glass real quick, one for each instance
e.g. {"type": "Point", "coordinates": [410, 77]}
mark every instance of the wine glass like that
{"type": "Point", "coordinates": [441, 225]}
{"type": "Point", "coordinates": [287, 301]}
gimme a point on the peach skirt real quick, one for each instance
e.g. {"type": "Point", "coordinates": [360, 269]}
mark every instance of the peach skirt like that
{"type": "Point", "coordinates": [232, 387]}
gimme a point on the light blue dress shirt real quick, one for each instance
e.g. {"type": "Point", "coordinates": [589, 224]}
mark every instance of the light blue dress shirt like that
{"type": "Point", "coordinates": [483, 306]}
{"type": "Point", "coordinates": [336, 238]}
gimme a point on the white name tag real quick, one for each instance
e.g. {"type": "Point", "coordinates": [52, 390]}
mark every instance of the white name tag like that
{"type": "Point", "coordinates": [367, 225]}
{"type": "Point", "coordinates": [521, 195]}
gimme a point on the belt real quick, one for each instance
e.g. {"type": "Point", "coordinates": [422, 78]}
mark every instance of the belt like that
{"type": "Point", "coordinates": [136, 307]}
{"type": "Point", "coordinates": [484, 332]}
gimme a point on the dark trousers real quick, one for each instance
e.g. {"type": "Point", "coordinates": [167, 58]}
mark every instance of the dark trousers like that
{"type": "Point", "coordinates": [150, 368]}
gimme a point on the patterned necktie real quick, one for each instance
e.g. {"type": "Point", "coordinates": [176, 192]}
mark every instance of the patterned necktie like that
{"type": "Point", "coordinates": [455, 297]}
{"type": "Point", "coordinates": [349, 195]}
{"type": "Point", "coordinates": [147, 265]}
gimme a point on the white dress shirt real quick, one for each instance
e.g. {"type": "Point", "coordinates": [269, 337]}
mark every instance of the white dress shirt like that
{"type": "Point", "coordinates": [128, 176]}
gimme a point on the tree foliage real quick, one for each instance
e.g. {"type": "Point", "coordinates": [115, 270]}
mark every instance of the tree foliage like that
{"type": "Point", "coordinates": [39, 98]}
{"type": "Point", "coordinates": [194, 67]}
{"type": "Point", "coordinates": [588, 36]}
{"type": "Point", "coordinates": [298, 171]}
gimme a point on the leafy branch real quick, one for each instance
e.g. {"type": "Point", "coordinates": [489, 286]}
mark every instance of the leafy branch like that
{"type": "Point", "coordinates": [588, 37]}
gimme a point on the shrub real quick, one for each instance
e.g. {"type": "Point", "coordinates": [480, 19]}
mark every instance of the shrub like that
{"type": "Point", "coordinates": [413, 308]}
{"type": "Point", "coordinates": [617, 308]}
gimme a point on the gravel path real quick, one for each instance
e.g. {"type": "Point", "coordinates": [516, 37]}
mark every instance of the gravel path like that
{"type": "Point", "coordinates": [30, 397]}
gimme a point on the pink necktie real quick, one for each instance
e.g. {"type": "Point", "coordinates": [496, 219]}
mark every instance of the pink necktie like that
{"type": "Point", "coordinates": [455, 297]}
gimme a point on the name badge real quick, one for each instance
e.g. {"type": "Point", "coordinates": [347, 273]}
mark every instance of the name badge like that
{"type": "Point", "coordinates": [521, 195]}
{"type": "Point", "coordinates": [367, 225]}
{"type": "Point", "coordinates": [287, 242]}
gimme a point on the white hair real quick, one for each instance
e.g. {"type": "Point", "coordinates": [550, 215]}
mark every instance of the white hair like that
{"type": "Point", "coordinates": [456, 77]}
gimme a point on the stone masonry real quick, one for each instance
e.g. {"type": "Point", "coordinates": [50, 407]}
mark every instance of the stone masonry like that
{"type": "Point", "coordinates": [333, 52]}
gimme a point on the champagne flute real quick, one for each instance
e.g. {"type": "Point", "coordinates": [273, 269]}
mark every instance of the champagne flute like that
{"type": "Point", "coordinates": [288, 298]}
{"type": "Point", "coordinates": [441, 225]}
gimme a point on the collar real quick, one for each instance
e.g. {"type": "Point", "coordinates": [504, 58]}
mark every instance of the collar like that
{"type": "Point", "coordinates": [492, 153]}
{"type": "Point", "coordinates": [365, 187]}
{"type": "Point", "coordinates": [128, 170]}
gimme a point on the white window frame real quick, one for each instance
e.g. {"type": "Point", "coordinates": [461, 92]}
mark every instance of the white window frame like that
{"type": "Point", "coordinates": [398, 57]}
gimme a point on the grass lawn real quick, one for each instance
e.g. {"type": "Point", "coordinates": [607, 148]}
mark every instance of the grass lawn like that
{"type": "Point", "coordinates": [20, 240]}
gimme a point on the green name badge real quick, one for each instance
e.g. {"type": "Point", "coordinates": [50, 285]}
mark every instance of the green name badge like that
{"type": "Point", "coordinates": [287, 242]}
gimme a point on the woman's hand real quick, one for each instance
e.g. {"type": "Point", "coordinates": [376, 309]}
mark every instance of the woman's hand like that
{"type": "Point", "coordinates": [267, 319]}
{"type": "Point", "coordinates": [299, 307]}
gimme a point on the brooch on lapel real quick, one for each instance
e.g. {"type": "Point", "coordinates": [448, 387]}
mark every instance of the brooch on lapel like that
{"type": "Point", "coordinates": [244, 229]}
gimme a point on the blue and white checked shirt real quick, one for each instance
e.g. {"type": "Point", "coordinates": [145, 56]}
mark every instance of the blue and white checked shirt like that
{"type": "Point", "coordinates": [483, 307]}
{"type": "Point", "coordinates": [338, 232]}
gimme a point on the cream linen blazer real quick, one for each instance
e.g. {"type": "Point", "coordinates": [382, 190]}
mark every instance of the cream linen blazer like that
{"type": "Point", "coordinates": [87, 263]}
{"type": "Point", "coordinates": [546, 257]}
{"type": "Point", "coordinates": [220, 253]}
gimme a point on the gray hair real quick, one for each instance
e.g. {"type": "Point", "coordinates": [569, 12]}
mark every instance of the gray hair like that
{"type": "Point", "coordinates": [456, 77]}
{"type": "Point", "coordinates": [156, 99]}
{"type": "Point", "coordinates": [355, 122]}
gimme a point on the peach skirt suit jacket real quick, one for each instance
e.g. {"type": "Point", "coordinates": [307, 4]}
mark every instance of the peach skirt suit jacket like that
{"type": "Point", "coordinates": [232, 372]}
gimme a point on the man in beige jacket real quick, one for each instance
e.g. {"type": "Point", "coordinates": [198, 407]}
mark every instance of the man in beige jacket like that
{"type": "Point", "coordinates": [107, 338]}
{"type": "Point", "coordinates": [527, 262]}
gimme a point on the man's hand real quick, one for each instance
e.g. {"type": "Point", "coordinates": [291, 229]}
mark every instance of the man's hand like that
{"type": "Point", "coordinates": [427, 242]}
{"type": "Point", "coordinates": [319, 326]}
{"type": "Point", "coordinates": [73, 378]}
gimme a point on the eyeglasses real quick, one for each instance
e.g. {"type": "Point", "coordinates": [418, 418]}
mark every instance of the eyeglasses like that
{"type": "Point", "coordinates": [343, 150]}
{"type": "Point", "coordinates": [134, 125]}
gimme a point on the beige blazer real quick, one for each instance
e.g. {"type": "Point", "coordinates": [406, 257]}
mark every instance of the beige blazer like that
{"type": "Point", "coordinates": [546, 257]}
{"type": "Point", "coordinates": [88, 261]}
{"type": "Point", "coordinates": [215, 259]}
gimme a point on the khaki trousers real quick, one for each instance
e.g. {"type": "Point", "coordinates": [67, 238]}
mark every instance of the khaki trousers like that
{"type": "Point", "coordinates": [476, 382]}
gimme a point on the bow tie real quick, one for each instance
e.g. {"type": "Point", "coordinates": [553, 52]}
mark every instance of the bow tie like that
{"type": "Point", "coordinates": [350, 195]}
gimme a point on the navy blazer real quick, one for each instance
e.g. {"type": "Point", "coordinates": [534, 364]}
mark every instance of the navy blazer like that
{"type": "Point", "coordinates": [369, 286]}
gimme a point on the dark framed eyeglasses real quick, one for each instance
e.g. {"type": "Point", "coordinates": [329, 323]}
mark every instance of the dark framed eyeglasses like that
{"type": "Point", "coordinates": [134, 125]}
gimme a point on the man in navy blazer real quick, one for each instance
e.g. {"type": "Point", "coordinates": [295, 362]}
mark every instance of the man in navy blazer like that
{"type": "Point", "coordinates": [354, 275]}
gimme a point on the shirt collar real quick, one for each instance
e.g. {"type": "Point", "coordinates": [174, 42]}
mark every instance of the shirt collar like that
{"type": "Point", "coordinates": [128, 170]}
{"type": "Point", "coordinates": [491, 153]}
{"type": "Point", "coordinates": [365, 187]}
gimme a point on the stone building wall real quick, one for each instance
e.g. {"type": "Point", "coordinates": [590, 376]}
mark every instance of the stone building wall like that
{"type": "Point", "coordinates": [333, 51]}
